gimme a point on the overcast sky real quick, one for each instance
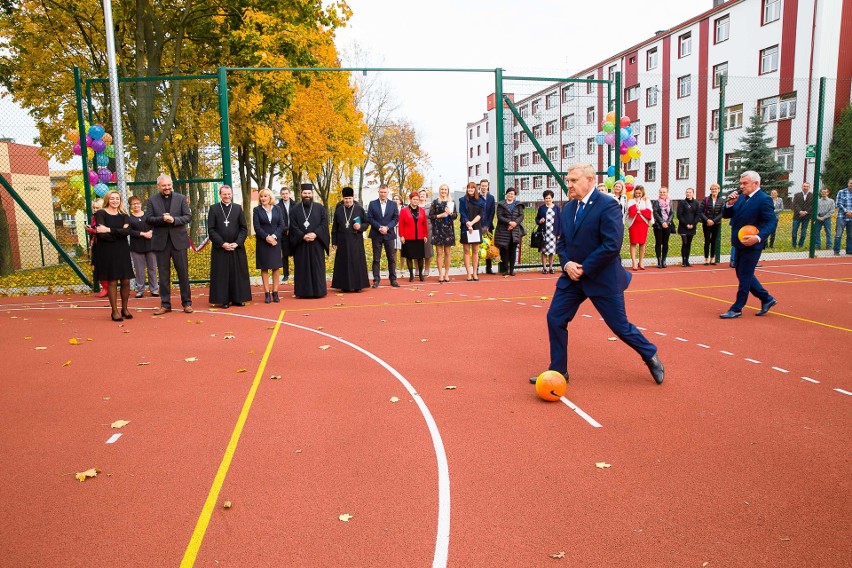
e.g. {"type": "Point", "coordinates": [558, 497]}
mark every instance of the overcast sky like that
{"type": "Point", "coordinates": [532, 37]}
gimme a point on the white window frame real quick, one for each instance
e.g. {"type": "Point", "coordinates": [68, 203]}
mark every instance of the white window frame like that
{"type": "Point", "coordinates": [551, 100]}
{"type": "Point", "coordinates": [536, 131]}
{"type": "Point", "coordinates": [631, 93]}
{"type": "Point", "coordinates": [683, 127]}
{"type": "Point", "coordinates": [771, 11]}
{"type": "Point", "coordinates": [786, 157]}
{"type": "Point", "coordinates": [684, 86]}
{"type": "Point", "coordinates": [535, 107]}
{"type": "Point", "coordinates": [722, 29]}
{"type": "Point", "coordinates": [553, 153]}
{"type": "Point", "coordinates": [568, 93]}
{"type": "Point", "coordinates": [590, 115]}
{"type": "Point", "coordinates": [551, 128]}
{"type": "Point", "coordinates": [525, 183]}
{"type": "Point", "coordinates": [650, 171]}
{"type": "Point", "coordinates": [590, 146]}
{"type": "Point", "coordinates": [651, 134]}
{"type": "Point", "coordinates": [778, 108]}
{"type": "Point", "coordinates": [723, 67]}
{"type": "Point", "coordinates": [651, 59]}
{"type": "Point", "coordinates": [651, 96]}
{"type": "Point", "coordinates": [537, 182]}
{"type": "Point", "coordinates": [684, 45]}
{"type": "Point", "coordinates": [733, 118]}
{"type": "Point", "coordinates": [525, 160]}
{"type": "Point", "coordinates": [769, 58]}
{"type": "Point", "coordinates": [682, 168]}
{"type": "Point", "coordinates": [568, 151]}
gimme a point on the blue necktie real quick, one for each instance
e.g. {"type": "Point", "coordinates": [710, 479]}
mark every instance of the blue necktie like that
{"type": "Point", "coordinates": [579, 214]}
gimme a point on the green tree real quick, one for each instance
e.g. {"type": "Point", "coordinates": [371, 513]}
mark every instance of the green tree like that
{"type": "Point", "coordinates": [838, 166]}
{"type": "Point", "coordinates": [756, 155]}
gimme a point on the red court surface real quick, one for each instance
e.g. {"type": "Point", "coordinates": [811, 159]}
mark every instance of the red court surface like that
{"type": "Point", "coordinates": [740, 458]}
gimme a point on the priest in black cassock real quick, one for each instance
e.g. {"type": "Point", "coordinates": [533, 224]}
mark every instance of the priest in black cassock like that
{"type": "Point", "coordinates": [229, 276]}
{"type": "Point", "coordinates": [347, 238]}
{"type": "Point", "coordinates": [309, 245]}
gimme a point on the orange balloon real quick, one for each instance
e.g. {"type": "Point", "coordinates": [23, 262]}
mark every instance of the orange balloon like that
{"type": "Point", "coordinates": [550, 385]}
{"type": "Point", "coordinates": [746, 231]}
{"type": "Point", "coordinates": [610, 116]}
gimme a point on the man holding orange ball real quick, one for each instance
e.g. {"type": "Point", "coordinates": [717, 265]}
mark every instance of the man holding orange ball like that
{"type": "Point", "coordinates": [752, 216]}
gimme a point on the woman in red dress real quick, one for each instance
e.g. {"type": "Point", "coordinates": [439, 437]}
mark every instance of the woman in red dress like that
{"type": "Point", "coordinates": [639, 218]}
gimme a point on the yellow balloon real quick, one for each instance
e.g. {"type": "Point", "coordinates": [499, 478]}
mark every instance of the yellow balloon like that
{"type": "Point", "coordinates": [91, 153]}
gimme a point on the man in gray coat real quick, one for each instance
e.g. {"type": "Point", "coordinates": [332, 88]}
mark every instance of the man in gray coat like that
{"type": "Point", "coordinates": [167, 213]}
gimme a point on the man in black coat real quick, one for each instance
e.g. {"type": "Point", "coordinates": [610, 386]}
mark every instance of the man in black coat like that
{"type": "Point", "coordinates": [488, 216]}
{"type": "Point", "coordinates": [227, 229]}
{"type": "Point", "coordinates": [286, 204]}
{"type": "Point", "coordinates": [167, 213]}
{"type": "Point", "coordinates": [383, 217]}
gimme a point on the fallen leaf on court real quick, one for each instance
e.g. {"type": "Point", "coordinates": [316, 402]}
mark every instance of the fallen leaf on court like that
{"type": "Point", "coordinates": [40, 348]}
{"type": "Point", "coordinates": [602, 465]}
{"type": "Point", "coordinates": [73, 306]}
{"type": "Point", "coordinates": [394, 399]}
{"type": "Point", "coordinates": [28, 337]}
{"type": "Point", "coordinates": [383, 321]}
{"type": "Point", "coordinates": [345, 517]}
{"type": "Point", "coordinates": [226, 505]}
{"type": "Point", "coordinates": [66, 363]}
{"type": "Point", "coordinates": [273, 327]}
{"type": "Point", "coordinates": [450, 387]}
{"type": "Point", "coordinates": [340, 295]}
{"type": "Point", "coordinates": [125, 331]}
{"type": "Point", "coordinates": [82, 475]}
{"type": "Point", "coordinates": [423, 340]}
{"type": "Point", "coordinates": [705, 564]}
{"type": "Point", "coordinates": [241, 370]}
{"type": "Point", "coordinates": [543, 298]}
{"type": "Point", "coordinates": [251, 351]}
{"type": "Point", "coordinates": [560, 554]}
{"type": "Point", "coordinates": [299, 451]}
{"type": "Point", "coordinates": [337, 305]}
{"type": "Point", "coordinates": [199, 321]}
{"type": "Point", "coordinates": [430, 294]}
{"type": "Point", "coordinates": [74, 341]}
{"type": "Point", "coordinates": [612, 338]}
{"type": "Point", "coordinates": [324, 347]}
{"type": "Point", "coordinates": [106, 398]}
{"type": "Point", "coordinates": [89, 339]}
{"type": "Point", "coordinates": [418, 301]}
{"type": "Point", "coordinates": [14, 317]}
{"type": "Point", "coordinates": [143, 363]}
{"type": "Point", "coordinates": [191, 359]}
{"type": "Point", "coordinates": [319, 327]}
{"type": "Point", "coordinates": [229, 336]}
{"type": "Point", "coordinates": [188, 321]}
{"type": "Point", "coordinates": [119, 423]}
{"type": "Point", "coordinates": [275, 377]}
{"type": "Point", "coordinates": [306, 315]}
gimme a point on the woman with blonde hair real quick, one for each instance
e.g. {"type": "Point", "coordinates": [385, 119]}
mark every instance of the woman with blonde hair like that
{"type": "Point", "coordinates": [618, 193]}
{"type": "Point", "coordinates": [639, 219]}
{"type": "Point", "coordinates": [442, 214]}
{"type": "Point", "coordinates": [471, 210]}
{"type": "Point", "coordinates": [269, 225]}
{"type": "Point", "coordinates": [112, 255]}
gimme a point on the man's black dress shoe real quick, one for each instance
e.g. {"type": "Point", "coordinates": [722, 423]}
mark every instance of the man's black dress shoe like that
{"type": "Point", "coordinates": [226, 305]}
{"type": "Point", "coordinates": [375, 284]}
{"type": "Point", "coordinates": [766, 306]}
{"type": "Point", "coordinates": [395, 284]}
{"type": "Point", "coordinates": [239, 304]}
{"type": "Point", "coordinates": [533, 379]}
{"type": "Point", "coordinates": [656, 368]}
{"type": "Point", "coordinates": [730, 314]}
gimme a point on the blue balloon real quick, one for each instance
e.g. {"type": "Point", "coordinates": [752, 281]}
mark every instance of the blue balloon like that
{"type": "Point", "coordinates": [625, 133]}
{"type": "Point", "coordinates": [101, 160]}
{"type": "Point", "coordinates": [610, 171]}
{"type": "Point", "coordinates": [600, 138]}
{"type": "Point", "coordinates": [101, 189]}
{"type": "Point", "coordinates": [96, 131]}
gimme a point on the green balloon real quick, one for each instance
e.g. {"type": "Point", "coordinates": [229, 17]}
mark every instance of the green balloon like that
{"type": "Point", "coordinates": [76, 182]}
{"type": "Point", "coordinates": [608, 126]}
{"type": "Point", "coordinates": [110, 151]}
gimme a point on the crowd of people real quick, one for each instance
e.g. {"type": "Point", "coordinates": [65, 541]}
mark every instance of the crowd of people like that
{"type": "Point", "coordinates": [146, 244]}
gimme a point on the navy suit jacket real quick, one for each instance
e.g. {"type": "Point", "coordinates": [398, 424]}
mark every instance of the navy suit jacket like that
{"type": "Point", "coordinates": [490, 210]}
{"type": "Point", "coordinates": [595, 243]}
{"type": "Point", "coordinates": [263, 227]}
{"type": "Point", "coordinates": [389, 220]}
{"type": "Point", "coordinates": [757, 210]}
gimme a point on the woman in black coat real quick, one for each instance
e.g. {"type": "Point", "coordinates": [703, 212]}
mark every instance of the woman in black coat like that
{"type": "Point", "coordinates": [687, 221]}
{"type": "Point", "coordinates": [663, 210]}
{"type": "Point", "coordinates": [509, 231]}
{"type": "Point", "coordinates": [710, 214]}
{"type": "Point", "coordinates": [269, 225]}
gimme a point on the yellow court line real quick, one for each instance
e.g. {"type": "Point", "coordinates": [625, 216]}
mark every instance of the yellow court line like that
{"type": "Point", "coordinates": [423, 303]}
{"type": "Point", "coordinates": [774, 312]}
{"type": "Point", "coordinates": [207, 511]}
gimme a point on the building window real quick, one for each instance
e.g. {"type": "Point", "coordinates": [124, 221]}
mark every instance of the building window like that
{"type": "Point", "coordinates": [535, 106]}
{"type": "Point", "coordinates": [769, 60]}
{"type": "Point", "coordinates": [471, 151]}
{"type": "Point", "coordinates": [551, 127]}
{"type": "Point", "coordinates": [487, 167]}
{"type": "Point", "coordinates": [611, 72]}
{"type": "Point", "coordinates": [632, 60]}
{"type": "Point", "coordinates": [553, 154]}
{"type": "Point", "coordinates": [632, 165]}
{"type": "Point", "coordinates": [723, 29]}
{"type": "Point", "coordinates": [536, 158]}
{"type": "Point", "coordinates": [523, 138]}
{"type": "Point", "coordinates": [684, 45]}
{"type": "Point", "coordinates": [470, 137]}
{"type": "Point", "coordinates": [478, 131]}
{"type": "Point", "coordinates": [487, 146]}
{"type": "Point", "coordinates": [568, 93]}
{"type": "Point", "coordinates": [525, 160]}
{"type": "Point", "coordinates": [771, 11]}
{"type": "Point", "coordinates": [719, 71]}
{"type": "Point", "coordinates": [590, 115]}
{"type": "Point", "coordinates": [651, 59]}
{"type": "Point", "coordinates": [650, 171]}
{"type": "Point", "coordinates": [590, 145]}
{"type": "Point", "coordinates": [477, 169]}
{"type": "Point", "coordinates": [590, 87]}
{"type": "Point", "coordinates": [470, 171]}
{"type": "Point", "coordinates": [525, 183]}
{"type": "Point", "coordinates": [537, 182]}
{"type": "Point", "coordinates": [733, 118]}
{"type": "Point", "coordinates": [551, 181]}
{"type": "Point", "coordinates": [684, 86]}
{"type": "Point", "coordinates": [683, 168]}
{"type": "Point", "coordinates": [568, 122]}
{"type": "Point", "coordinates": [478, 150]}
{"type": "Point", "coordinates": [733, 162]}
{"type": "Point", "coordinates": [683, 127]}
{"type": "Point", "coordinates": [651, 134]}
{"type": "Point", "coordinates": [636, 128]}
{"type": "Point", "coordinates": [631, 93]}
{"type": "Point", "coordinates": [568, 151]}
{"type": "Point", "coordinates": [777, 108]}
{"type": "Point", "coordinates": [784, 157]}
{"type": "Point", "coordinates": [536, 131]}
{"type": "Point", "coordinates": [524, 111]}
{"type": "Point", "coordinates": [550, 101]}
{"type": "Point", "coordinates": [651, 96]}
{"type": "Point", "coordinates": [486, 128]}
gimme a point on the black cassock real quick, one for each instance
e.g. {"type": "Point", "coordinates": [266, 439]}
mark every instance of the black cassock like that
{"type": "Point", "coordinates": [229, 276]}
{"type": "Point", "coordinates": [350, 260]}
{"type": "Point", "coordinates": [309, 257]}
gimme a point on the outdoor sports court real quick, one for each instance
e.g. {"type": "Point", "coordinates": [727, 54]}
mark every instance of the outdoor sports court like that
{"type": "Point", "coordinates": [740, 458]}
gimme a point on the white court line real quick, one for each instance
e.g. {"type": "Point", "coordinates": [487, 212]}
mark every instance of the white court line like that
{"type": "Point", "coordinates": [681, 339]}
{"type": "Point", "coordinates": [521, 304]}
{"type": "Point", "coordinates": [752, 361]}
{"type": "Point", "coordinates": [507, 301]}
{"type": "Point", "coordinates": [660, 333]}
{"type": "Point", "coordinates": [810, 380]}
{"type": "Point", "coordinates": [702, 345]}
{"type": "Point", "coordinates": [841, 391]}
{"type": "Point", "coordinates": [586, 316]}
{"type": "Point", "coordinates": [641, 328]}
{"type": "Point", "coordinates": [780, 370]}
{"type": "Point", "coordinates": [725, 352]}
{"type": "Point", "coordinates": [582, 414]}
{"type": "Point", "coordinates": [806, 276]}
{"type": "Point", "coordinates": [536, 306]}
{"type": "Point", "coordinates": [114, 438]}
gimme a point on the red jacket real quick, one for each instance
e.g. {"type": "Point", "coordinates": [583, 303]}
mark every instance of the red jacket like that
{"type": "Point", "coordinates": [407, 227]}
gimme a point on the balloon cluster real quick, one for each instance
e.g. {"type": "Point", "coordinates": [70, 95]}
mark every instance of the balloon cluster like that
{"type": "Point", "coordinates": [629, 148]}
{"type": "Point", "coordinates": [99, 150]}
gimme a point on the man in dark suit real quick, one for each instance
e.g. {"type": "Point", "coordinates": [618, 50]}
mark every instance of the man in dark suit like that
{"type": "Point", "coordinates": [488, 216]}
{"type": "Point", "coordinates": [589, 248]}
{"type": "Point", "coordinates": [286, 204]}
{"type": "Point", "coordinates": [754, 208]}
{"type": "Point", "coordinates": [167, 213]}
{"type": "Point", "coordinates": [383, 217]}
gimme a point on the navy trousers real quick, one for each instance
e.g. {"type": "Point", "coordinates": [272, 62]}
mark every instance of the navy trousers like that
{"type": "Point", "coordinates": [564, 307]}
{"type": "Point", "coordinates": [747, 258]}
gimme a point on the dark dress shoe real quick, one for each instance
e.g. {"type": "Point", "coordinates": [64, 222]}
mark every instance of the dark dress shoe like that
{"type": "Point", "coordinates": [225, 306]}
{"type": "Point", "coordinates": [275, 297]}
{"type": "Point", "coordinates": [395, 284]}
{"type": "Point", "coordinates": [656, 368]}
{"type": "Point", "coordinates": [375, 284]}
{"type": "Point", "coordinates": [730, 314]}
{"type": "Point", "coordinates": [533, 379]}
{"type": "Point", "coordinates": [267, 298]}
{"type": "Point", "coordinates": [766, 306]}
{"type": "Point", "coordinates": [239, 304]}
{"type": "Point", "coordinates": [732, 264]}
{"type": "Point", "coordinates": [116, 318]}
{"type": "Point", "coordinates": [126, 315]}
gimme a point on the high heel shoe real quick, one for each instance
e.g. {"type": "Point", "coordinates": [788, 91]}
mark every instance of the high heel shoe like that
{"type": "Point", "coordinates": [126, 315]}
{"type": "Point", "coordinates": [275, 297]}
{"type": "Point", "coordinates": [267, 298]}
{"type": "Point", "coordinates": [641, 267]}
{"type": "Point", "coordinates": [116, 318]}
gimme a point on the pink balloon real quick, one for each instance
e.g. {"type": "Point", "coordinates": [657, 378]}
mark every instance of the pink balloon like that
{"type": "Point", "coordinates": [609, 138]}
{"type": "Point", "coordinates": [93, 177]}
{"type": "Point", "coordinates": [77, 149]}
